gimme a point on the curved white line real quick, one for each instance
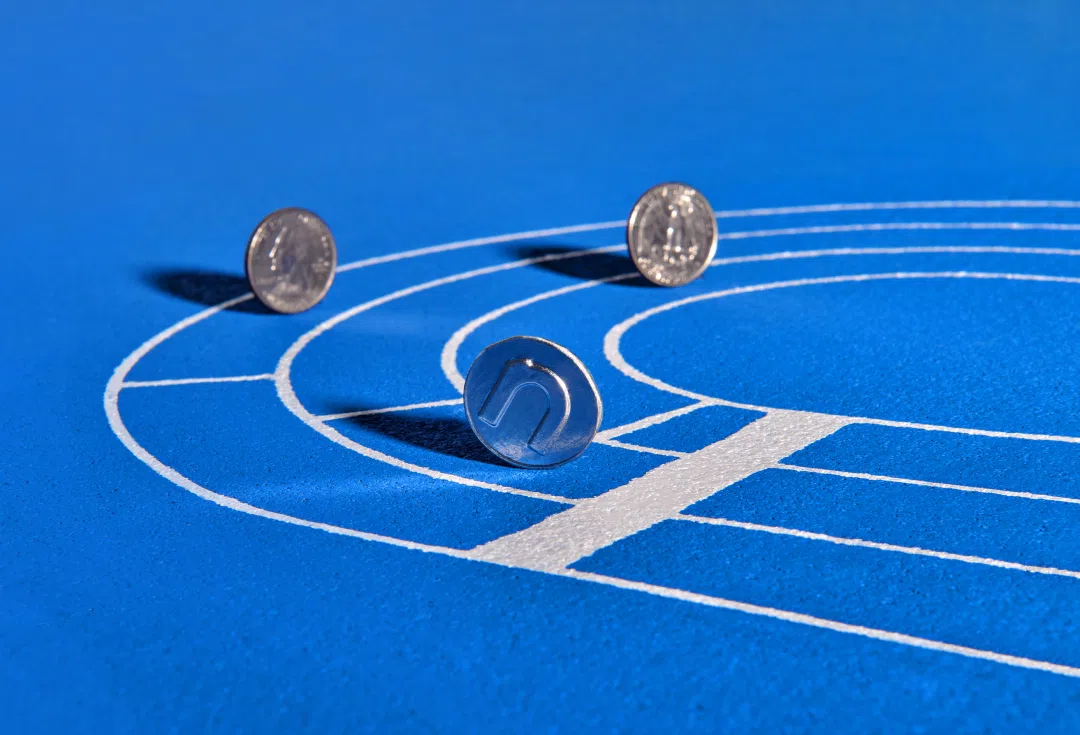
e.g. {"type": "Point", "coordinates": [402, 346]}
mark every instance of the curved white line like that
{"type": "Point", "coordinates": [283, 377]}
{"type": "Point", "coordinates": [613, 339]}
{"type": "Point", "coordinates": [900, 226]}
{"type": "Point", "coordinates": [449, 356]}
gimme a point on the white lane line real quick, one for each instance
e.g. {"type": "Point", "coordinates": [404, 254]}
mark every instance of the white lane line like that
{"type": "Point", "coordinates": [900, 226]}
{"type": "Point", "coordinates": [862, 543]}
{"type": "Point", "coordinates": [924, 483]}
{"type": "Point", "coordinates": [448, 359]}
{"type": "Point", "coordinates": [562, 539]}
{"type": "Point", "coordinates": [839, 252]}
{"type": "Point", "coordinates": [654, 420]}
{"type": "Point", "coordinates": [639, 448]}
{"type": "Point", "coordinates": [288, 397]}
{"type": "Point", "coordinates": [887, 206]}
{"type": "Point", "coordinates": [833, 625]}
{"type": "Point", "coordinates": [391, 409]}
{"type": "Point", "coordinates": [195, 381]}
{"type": "Point", "coordinates": [613, 341]}
{"type": "Point", "coordinates": [479, 241]}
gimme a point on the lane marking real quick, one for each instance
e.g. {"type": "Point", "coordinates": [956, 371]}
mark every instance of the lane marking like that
{"type": "Point", "coordinates": [862, 543]}
{"type": "Point", "coordinates": [562, 539]}
{"type": "Point", "coordinates": [195, 381]}
{"type": "Point", "coordinates": [123, 369]}
{"type": "Point", "coordinates": [835, 626]}
{"type": "Point", "coordinates": [899, 226]}
{"type": "Point", "coordinates": [925, 483]}
{"type": "Point", "coordinates": [448, 358]}
{"type": "Point", "coordinates": [639, 448]}
{"type": "Point", "coordinates": [613, 340]}
{"type": "Point", "coordinates": [391, 409]}
{"type": "Point", "coordinates": [655, 420]}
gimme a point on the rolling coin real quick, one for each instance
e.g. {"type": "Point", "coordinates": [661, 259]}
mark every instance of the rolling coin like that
{"type": "Point", "coordinates": [291, 259]}
{"type": "Point", "coordinates": [532, 402]}
{"type": "Point", "coordinates": [671, 234]}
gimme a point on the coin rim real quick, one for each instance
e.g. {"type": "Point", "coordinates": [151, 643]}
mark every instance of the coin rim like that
{"type": "Point", "coordinates": [566, 353]}
{"type": "Point", "coordinates": [251, 247]}
{"type": "Point", "coordinates": [635, 214]}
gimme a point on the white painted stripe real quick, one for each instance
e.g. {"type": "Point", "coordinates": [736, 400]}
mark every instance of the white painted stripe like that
{"type": "Point", "coordinates": [887, 206]}
{"type": "Point", "coordinates": [564, 538]}
{"type": "Point", "coordinates": [391, 409]}
{"type": "Point", "coordinates": [638, 448]}
{"type": "Point", "coordinates": [912, 550]}
{"type": "Point", "coordinates": [480, 241]}
{"type": "Point", "coordinates": [654, 420]}
{"type": "Point", "coordinates": [900, 226]}
{"type": "Point", "coordinates": [287, 395]}
{"type": "Point", "coordinates": [448, 359]}
{"type": "Point", "coordinates": [194, 381]}
{"type": "Point", "coordinates": [613, 339]}
{"type": "Point", "coordinates": [924, 483]}
{"type": "Point", "coordinates": [833, 625]}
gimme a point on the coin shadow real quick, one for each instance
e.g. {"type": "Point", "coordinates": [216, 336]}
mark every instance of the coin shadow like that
{"type": "Point", "coordinates": [204, 287]}
{"type": "Point", "coordinates": [591, 267]}
{"type": "Point", "coordinates": [448, 435]}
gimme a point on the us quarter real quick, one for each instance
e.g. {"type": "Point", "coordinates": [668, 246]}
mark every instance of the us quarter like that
{"type": "Point", "coordinates": [291, 259]}
{"type": "Point", "coordinates": [671, 234]}
{"type": "Point", "coordinates": [532, 402]}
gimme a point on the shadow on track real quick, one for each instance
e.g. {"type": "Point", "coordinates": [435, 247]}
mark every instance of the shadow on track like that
{"type": "Point", "coordinates": [207, 288]}
{"type": "Point", "coordinates": [449, 435]}
{"type": "Point", "coordinates": [584, 267]}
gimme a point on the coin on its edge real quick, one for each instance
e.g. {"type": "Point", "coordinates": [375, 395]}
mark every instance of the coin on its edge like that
{"type": "Point", "coordinates": [290, 261]}
{"type": "Point", "coordinates": [671, 234]}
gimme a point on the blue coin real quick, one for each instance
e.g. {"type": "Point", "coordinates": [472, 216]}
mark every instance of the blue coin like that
{"type": "Point", "coordinates": [532, 402]}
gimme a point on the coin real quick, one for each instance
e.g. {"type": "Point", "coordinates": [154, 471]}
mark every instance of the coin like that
{"type": "Point", "coordinates": [532, 402]}
{"type": "Point", "coordinates": [671, 234]}
{"type": "Point", "coordinates": [290, 262]}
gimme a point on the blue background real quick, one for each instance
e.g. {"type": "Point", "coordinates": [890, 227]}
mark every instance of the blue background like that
{"type": "Point", "coordinates": [140, 145]}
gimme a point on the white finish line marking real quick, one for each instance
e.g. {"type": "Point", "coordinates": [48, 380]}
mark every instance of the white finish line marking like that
{"type": "Point", "coordinates": [562, 539]}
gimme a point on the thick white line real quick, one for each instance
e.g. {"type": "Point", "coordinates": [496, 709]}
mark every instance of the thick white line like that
{"type": "Point", "coordinates": [834, 625]}
{"type": "Point", "coordinates": [613, 339]}
{"type": "Point", "coordinates": [391, 409]}
{"type": "Point", "coordinates": [924, 483]}
{"type": "Point", "coordinates": [912, 550]}
{"type": "Point", "coordinates": [564, 538]}
{"type": "Point", "coordinates": [195, 381]}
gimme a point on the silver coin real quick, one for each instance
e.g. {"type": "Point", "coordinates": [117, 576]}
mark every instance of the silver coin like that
{"type": "Point", "coordinates": [671, 234]}
{"type": "Point", "coordinates": [532, 402]}
{"type": "Point", "coordinates": [291, 259]}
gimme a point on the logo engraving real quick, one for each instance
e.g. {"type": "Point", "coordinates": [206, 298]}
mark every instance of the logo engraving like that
{"type": "Point", "coordinates": [524, 373]}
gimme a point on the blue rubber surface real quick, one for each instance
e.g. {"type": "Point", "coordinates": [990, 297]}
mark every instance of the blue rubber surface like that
{"type": "Point", "coordinates": [214, 556]}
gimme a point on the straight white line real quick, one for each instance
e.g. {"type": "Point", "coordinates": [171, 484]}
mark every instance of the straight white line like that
{"type": "Point", "coordinates": [561, 539]}
{"type": "Point", "coordinates": [638, 448]}
{"type": "Point", "coordinates": [894, 226]}
{"type": "Point", "coordinates": [195, 381]}
{"type": "Point", "coordinates": [839, 252]}
{"type": "Point", "coordinates": [924, 483]}
{"type": "Point", "coordinates": [885, 206]}
{"type": "Point", "coordinates": [654, 420]}
{"type": "Point", "coordinates": [391, 409]}
{"type": "Point", "coordinates": [912, 550]}
{"type": "Point", "coordinates": [834, 625]}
